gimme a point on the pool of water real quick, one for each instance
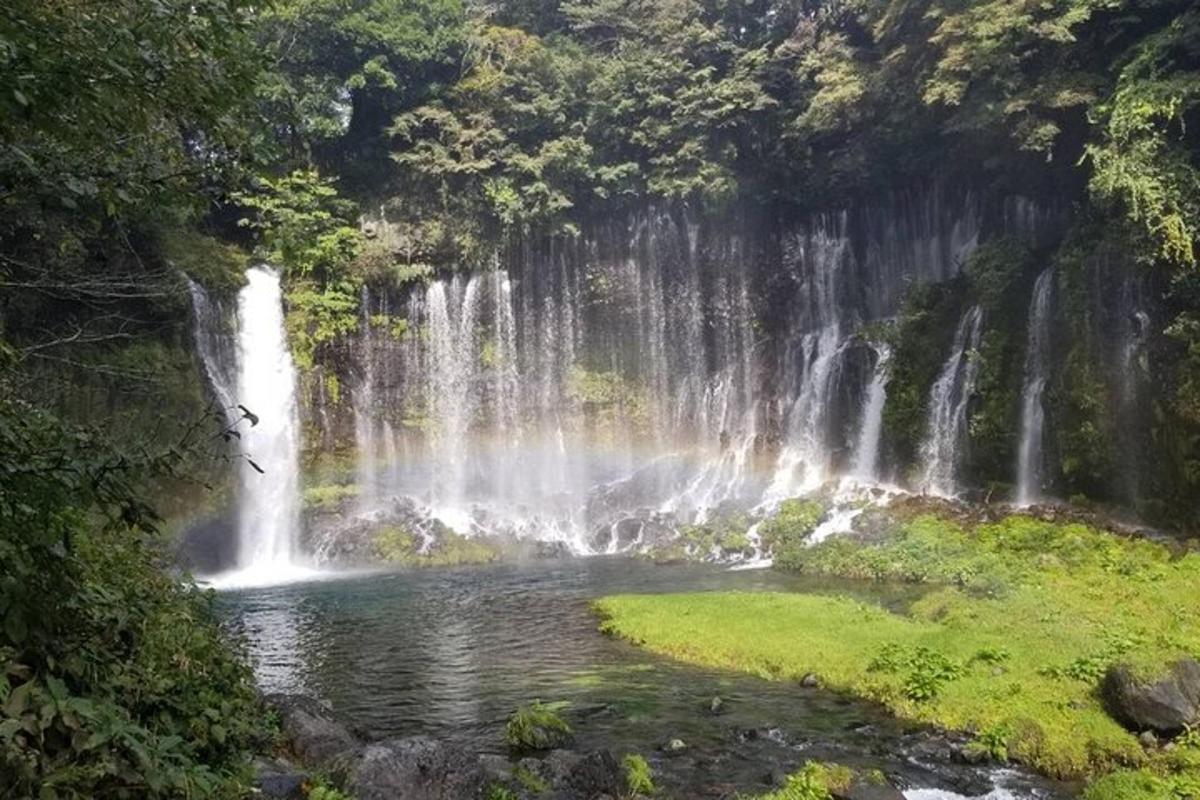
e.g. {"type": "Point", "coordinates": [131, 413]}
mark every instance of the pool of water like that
{"type": "Point", "coordinates": [450, 653]}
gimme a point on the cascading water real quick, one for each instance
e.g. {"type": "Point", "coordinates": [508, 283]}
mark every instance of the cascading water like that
{"type": "Point", "coordinates": [1030, 462]}
{"type": "Point", "coordinates": [261, 378]}
{"type": "Point", "coordinates": [602, 390]}
{"type": "Point", "coordinates": [865, 465]}
{"type": "Point", "coordinates": [943, 448]}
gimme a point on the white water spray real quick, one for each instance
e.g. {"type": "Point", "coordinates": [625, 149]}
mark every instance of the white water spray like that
{"type": "Point", "coordinates": [1030, 462]}
{"type": "Point", "coordinates": [870, 428]}
{"type": "Point", "coordinates": [263, 381]}
{"type": "Point", "coordinates": [942, 450]}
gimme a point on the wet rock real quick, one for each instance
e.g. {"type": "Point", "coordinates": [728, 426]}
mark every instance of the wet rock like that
{"type": "Point", "coordinates": [810, 681]}
{"type": "Point", "coordinates": [597, 773]}
{"type": "Point", "coordinates": [575, 776]}
{"type": "Point", "coordinates": [868, 787]}
{"type": "Point", "coordinates": [315, 736]}
{"type": "Point", "coordinates": [674, 747]}
{"type": "Point", "coordinates": [1148, 740]}
{"type": "Point", "coordinates": [716, 706]}
{"type": "Point", "coordinates": [417, 768]}
{"type": "Point", "coordinates": [279, 780]}
{"type": "Point", "coordinates": [1166, 705]}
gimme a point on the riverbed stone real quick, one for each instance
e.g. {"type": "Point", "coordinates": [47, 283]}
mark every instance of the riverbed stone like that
{"type": "Point", "coordinates": [1166, 705]}
{"type": "Point", "coordinates": [416, 768]}
{"type": "Point", "coordinates": [316, 737]}
{"type": "Point", "coordinates": [867, 788]}
{"type": "Point", "coordinates": [279, 780]}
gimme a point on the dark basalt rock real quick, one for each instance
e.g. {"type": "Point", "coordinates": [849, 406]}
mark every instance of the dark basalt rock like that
{"type": "Point", "coordinates": [279, 780]}
{"type": "Point", "coordinates": [865, 788]}
{"type": "Point", "coordinates": [1166, 705]}
{"type": "Point", "coordinates": [316, 737]}
{"type": "Point", "coordinates": [417, 768]}
{"type": "Point", "coordinates": [592, 776]}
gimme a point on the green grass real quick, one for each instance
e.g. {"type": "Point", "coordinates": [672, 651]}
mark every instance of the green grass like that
{"type": "Point", "coordinates": [1021, 620]}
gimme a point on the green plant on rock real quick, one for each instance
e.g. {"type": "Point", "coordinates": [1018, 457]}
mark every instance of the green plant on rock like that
{"type": "Point", "coordinates": [639, 778]}
{"type": "Point", "coordinates": [529, 780]}
{"type": "Point", "coordinates": [497, 791]}
{"type": "Point", "coordinates": [992, 742]}
{"type": "Point", "coordinates": [785, 533]}
{"type": "Point", "coordinates": [815, 781]}
{"type": "Point", "coordinates": [329, 496]}
{"type": "Point", "coordinates": [537, 726]}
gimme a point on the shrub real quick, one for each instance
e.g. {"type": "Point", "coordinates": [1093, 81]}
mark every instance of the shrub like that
{"type": "Point", "coordinates": [784, 533]}
{"type": "Point", "coordinates": [115, 679]}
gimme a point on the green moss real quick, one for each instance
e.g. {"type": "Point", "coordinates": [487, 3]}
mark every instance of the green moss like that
{"type": "Point", "coordinates": [919, 341]}
{"type": "Point", "coordinates": [498, 791]}
{"type": "Point", "coordinates": [786, 532]}
{"type": "Point", "coordinates": [395, 545]}
{"type": "Point", "coordinates": [1010, 646]}
{"type": "Point", "coordinates": [537, 726]}
{"type": "Point", "coordinates": [329, 496]}
{"type": "Point", "coordinates": [529, 781]}
{"type": "Point", "coordinates": [815, 781]}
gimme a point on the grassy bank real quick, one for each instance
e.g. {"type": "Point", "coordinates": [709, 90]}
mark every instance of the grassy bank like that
{"type": "Point", "coordinates": [1020, 622]}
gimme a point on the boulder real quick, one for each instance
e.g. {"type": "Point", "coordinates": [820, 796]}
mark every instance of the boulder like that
{"type": "Point", "coordinates": [572, 776]}
{"type": "Point", "coordinates": [416, 768]}
{"type": "Point", "coordinates": [867, 787]}
{"type": "Point", "coordinates": [279, 780]}
{"type": "Point", "coordinates": [1165, 705]}
{"type": "Point", "coordinates": [316, 737]}
{"type": "Point", "coordinates": [595, 774]}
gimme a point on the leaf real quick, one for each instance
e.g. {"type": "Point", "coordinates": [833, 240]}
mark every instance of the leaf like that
{"type": "Point", "coordinates": [257, 468]}
{"type": "Point", "coordinates": [250, 415]}
{"type": "Point", "coordinates": [58, 689]}
{"type": "Point", "coordinates": [21, 98]}
{"type": "Point", "coordinates": [15, 627]}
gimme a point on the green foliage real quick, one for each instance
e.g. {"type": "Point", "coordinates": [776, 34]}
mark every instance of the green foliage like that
{"type": "Point", "coordinates": [305, 225]}
{"type": "Point", "coordinates": [1019, 667]}
{"type": "Point", "coordinates": [919, 341]}
{"type": "Point", "coordinates": [536, 726]}
{"type": "Point", "coordinates": [639, 778]}
{"type": "Point", "coordinates": [106, 110]}
{"type": "Point", "coordinates": [397, 546]}
{"type": "Point", "coordinates": [114, 678]}
{"type": "Point", "coordinates": [218, 266]}
{"type": "Point", "coordinates": [329, 496]}
{"type": "Point", "coordinates": [1143, 160]}
{"type": "Point", "coordinates": [815, 781]}
{"type": "Point", "coordinates": [497, 791]}
{"type": "Point", "coordinates": [996, 272]}
{"type": "Point", "coordinates": [785, 533]}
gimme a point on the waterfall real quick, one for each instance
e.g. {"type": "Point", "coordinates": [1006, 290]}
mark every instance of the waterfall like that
{"type": "Point", "coordinates": [364, 409]}
{"type": "Point", "coordinates": [865, 464]}
{"type": "Point", "coordinates": [942, 450]}
{"type": "Point", "coordinates": [652, 371]}
{"type": "Point", "coordinates": [258, 373]}
{"type": "Point", "coordinates": [1030, 461]}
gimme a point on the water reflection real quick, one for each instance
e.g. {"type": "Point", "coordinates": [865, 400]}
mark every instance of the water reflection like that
{"type": "Point", "coordinates": [450, 653]}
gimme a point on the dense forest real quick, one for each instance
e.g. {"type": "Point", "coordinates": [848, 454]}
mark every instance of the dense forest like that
{"type": "Point", "coordinates": [367, 147]}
